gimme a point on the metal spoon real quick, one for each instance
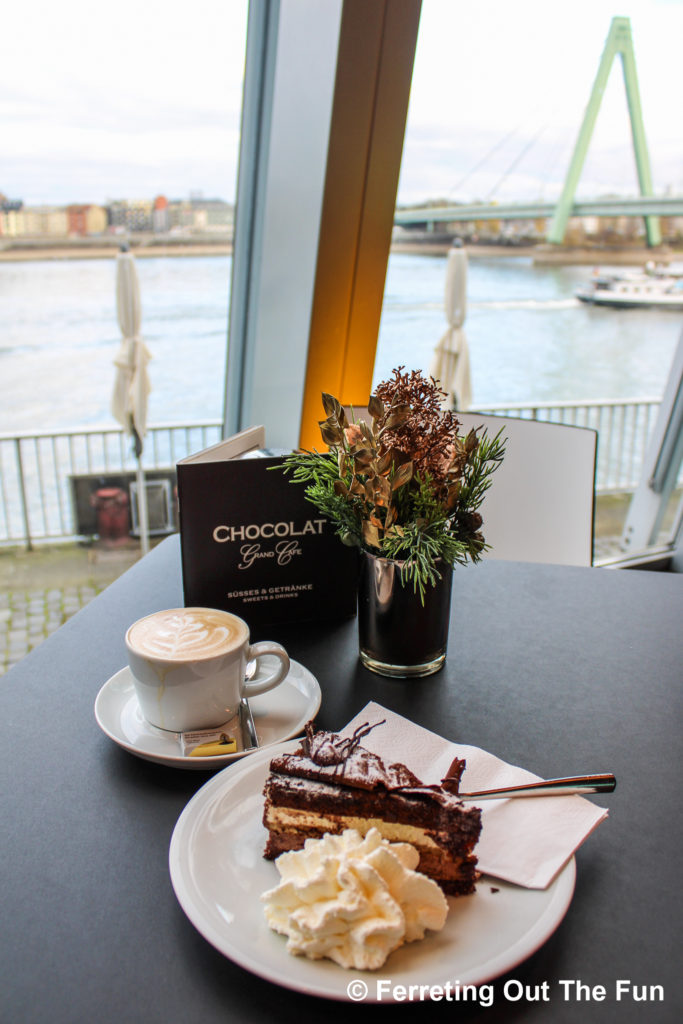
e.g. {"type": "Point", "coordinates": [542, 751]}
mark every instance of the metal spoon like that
{"type": "Point", "coordinates": [575, 784]}
{"type": "Point", "coordinates": [247, 727]}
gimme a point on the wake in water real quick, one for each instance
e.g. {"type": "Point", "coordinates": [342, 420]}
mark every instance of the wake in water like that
{"type": "Point", "coordinates": [394, 303]}
{"type": "Point", "coordinates": [543, 305]}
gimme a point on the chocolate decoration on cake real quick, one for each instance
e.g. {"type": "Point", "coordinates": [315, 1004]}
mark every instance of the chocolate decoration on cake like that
{"type": "Point", "coordinates": [332, 782]}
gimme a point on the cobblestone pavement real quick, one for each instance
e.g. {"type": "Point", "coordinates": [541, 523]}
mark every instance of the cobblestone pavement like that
{"type": "Point", "coordinates": [42, 588]}
{"type": "Point", "coordinates": [27, 618]}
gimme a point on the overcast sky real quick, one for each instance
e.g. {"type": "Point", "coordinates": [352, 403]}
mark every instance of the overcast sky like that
{"type": "Point", "coordinates": [143, 97]}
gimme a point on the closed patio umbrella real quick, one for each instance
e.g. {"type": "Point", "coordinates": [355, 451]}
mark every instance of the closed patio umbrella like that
{"type": "Point", "coordinates": [451, 362]}
{"type": "Point", "coordinates": [131, 385]}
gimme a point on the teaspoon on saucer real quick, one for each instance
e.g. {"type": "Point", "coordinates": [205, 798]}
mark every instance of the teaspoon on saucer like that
{"type": "Point", "coordinates": [247, 727]}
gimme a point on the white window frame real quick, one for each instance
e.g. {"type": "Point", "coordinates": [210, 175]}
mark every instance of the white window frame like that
{"type": "Point", "coordinates": [288, 91]}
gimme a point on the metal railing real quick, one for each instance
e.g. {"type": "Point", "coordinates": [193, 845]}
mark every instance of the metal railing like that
{"type": "Point", "coordinates": [623, 428]}
{"type": "Point", "coordinates": [37, 469]}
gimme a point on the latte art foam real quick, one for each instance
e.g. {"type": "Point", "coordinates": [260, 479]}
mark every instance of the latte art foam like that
{"type": "Point", "coordinates": [184, 634]}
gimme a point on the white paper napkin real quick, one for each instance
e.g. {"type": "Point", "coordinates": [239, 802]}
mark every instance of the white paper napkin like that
{"type": "Point", "coordinates": [523, 840]}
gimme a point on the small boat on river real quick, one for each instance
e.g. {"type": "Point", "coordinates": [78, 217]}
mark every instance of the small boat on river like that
{"type": "Point", "coordinates": [651, 289]}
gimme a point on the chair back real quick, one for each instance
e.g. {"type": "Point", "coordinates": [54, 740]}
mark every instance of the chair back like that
{"type": "Point", "coordinates": [540, 506]}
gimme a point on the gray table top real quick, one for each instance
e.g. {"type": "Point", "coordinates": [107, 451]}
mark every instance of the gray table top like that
{"type": "Point", "coordinates": [561, 670]}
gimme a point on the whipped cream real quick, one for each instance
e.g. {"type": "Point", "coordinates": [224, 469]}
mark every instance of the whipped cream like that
{"type": "Point", "coordinates": [353, 899]}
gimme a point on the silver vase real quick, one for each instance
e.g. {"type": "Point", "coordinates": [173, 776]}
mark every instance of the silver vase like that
{"type": "Point", "coordinates": [398, 634]}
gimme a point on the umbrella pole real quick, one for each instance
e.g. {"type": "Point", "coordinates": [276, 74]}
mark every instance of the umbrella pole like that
{"type": "Point", "coordinates": [142, 508]}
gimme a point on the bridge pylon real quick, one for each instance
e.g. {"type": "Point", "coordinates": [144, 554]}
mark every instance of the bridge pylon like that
{"type": "Point", "coordinates": [619, 41]}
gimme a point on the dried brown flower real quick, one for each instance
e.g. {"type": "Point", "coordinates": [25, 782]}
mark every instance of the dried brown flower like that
{"type": "Point", "coordinates": [426, 436]}
{"type": "Point", "coordinates": [400, 480]}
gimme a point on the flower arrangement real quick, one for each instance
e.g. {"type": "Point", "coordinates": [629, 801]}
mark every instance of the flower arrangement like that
{"type": "Point", "coordinates": [402, 483]}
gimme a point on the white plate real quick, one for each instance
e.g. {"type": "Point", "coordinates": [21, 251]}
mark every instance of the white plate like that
{"type": "Point", "coordinates": [218, 873]}
{"type": "Point", "coordinates": [278, 715]}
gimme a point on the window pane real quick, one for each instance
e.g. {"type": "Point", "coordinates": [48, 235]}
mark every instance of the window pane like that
{"type": "Point", "coordinates": [106, 110]}
{"type": "Point", "coordinates": [498, 97]}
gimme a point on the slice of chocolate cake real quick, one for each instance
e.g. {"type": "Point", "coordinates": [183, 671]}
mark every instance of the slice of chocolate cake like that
{"type": "Point", "coordinates": [332, 783]}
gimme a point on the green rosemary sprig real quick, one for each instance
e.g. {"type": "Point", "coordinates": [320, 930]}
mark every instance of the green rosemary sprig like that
{"type": "Point", "coordinates": [478, 473]}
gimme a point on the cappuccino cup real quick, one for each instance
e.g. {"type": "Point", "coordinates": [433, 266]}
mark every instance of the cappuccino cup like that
{"type": "Point", "coordinates": [189, 667]}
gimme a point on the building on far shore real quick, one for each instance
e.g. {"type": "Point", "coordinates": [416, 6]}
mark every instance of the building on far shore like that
{"type": "Point", "coordinates": [201, 215]}
{"type": "Point", "coordinates": [9, 211]}
{"type": "Point", "coordinates": [161, 220]}
{"type": "Point", "coordinates": [86, 219]}
{"type": "Point", "coordinates": [159, 216]}
{"type": "Point", "coordinates": [34, 222]}
{"type": "Point", "coordinates": [130, 214]}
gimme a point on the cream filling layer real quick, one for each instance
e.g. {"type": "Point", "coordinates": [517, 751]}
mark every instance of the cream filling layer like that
{"type": "Point", "coordinates": [281, 819]}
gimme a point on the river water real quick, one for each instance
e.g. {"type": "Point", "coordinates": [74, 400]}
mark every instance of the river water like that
{"type": "Point", "coordinates": [529, 339]}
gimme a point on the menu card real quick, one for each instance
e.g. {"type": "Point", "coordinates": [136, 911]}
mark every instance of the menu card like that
{"type": "Point", "coordinates": [252, 544]}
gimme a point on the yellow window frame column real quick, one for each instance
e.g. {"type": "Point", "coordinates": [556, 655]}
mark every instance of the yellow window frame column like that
{"type": "Point", "coordinates": [372, 88]}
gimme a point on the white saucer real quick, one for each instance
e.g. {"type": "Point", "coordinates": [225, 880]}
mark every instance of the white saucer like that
{"type": "Point", "coordinates": [278, 715]}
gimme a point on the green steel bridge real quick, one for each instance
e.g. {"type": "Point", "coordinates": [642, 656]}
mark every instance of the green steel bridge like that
{"type": "Point", "coordinates": [619, 43]}
{"type": "Point", "coordinates": [638, 206]}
